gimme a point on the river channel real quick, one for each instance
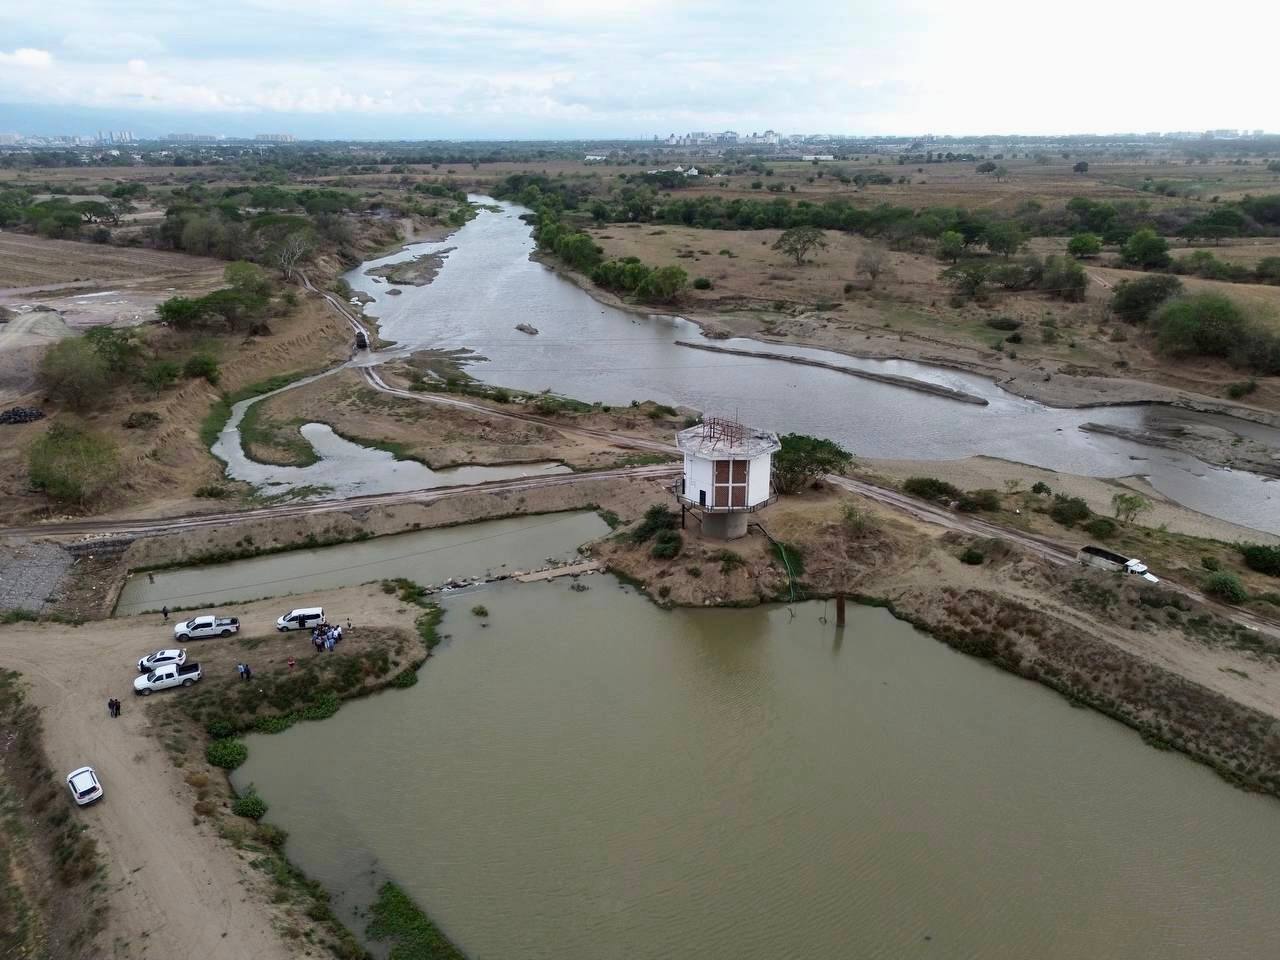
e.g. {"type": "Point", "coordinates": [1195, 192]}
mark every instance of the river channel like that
{"type": "Point", "coordinates": [595, 352]}
{"type": "Point", "coordinates": [592, 777]}
{"type": "Point", "coordinates": [425, 557]}
{"type": "Point", "coordinates": [348, 469]}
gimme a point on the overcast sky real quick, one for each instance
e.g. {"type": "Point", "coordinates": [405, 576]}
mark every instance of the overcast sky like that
{"type": "Point", "coordinates": [607, 68]}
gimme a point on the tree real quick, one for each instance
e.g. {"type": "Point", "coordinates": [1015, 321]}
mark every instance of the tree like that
{"type": "Point", "coordinates": [1136, 300]}
{"type": "Point", "coordinates": [1226, 587]}
{"type": "Point", "coordinates": [950, 246]}
{"type": "Point", "coordinates": [1081, 167]}
{"type": "Point", "coordinates": [1004, 238]}
{"type": "Point", "coordinates": [663, 285]}
{"type": "Point", "coordinates": [290, 251]}
{"type": "Point", "coordinates": [72, 464]}
{"type": "Point", "coordinates": [1128, 505]}
{"type": "Point", "coordinates": [1064, 279]}
{"type": "Point", "coordinates": [1202, 325]}
{"type": "Point", "coordinates": [804, 459]}
{"type": "Point", "coordinates": [1146, 249]}
{"type": "Point", "coordinates": [985, 167]}
{"type": "Point", "coordinates": [872, 262]}
{"type": "Point", "coordinates": [248, 278]}
{"type": "Point", "coordinates": [798, 241]}
{"type": "Point", "coordinates": [72, 372]}
{"type": "Point", "coordinates": [969, 279]}
{"type": "Point", "coordinates": [1002, 173]}
{"type": "Point", "coordinates": [1085, 245]}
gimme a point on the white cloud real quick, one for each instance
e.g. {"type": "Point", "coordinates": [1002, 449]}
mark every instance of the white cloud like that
{"type": "Point", "coordinates": [28, 57]}
{"type": "Point", "coordinates": [655, 66]}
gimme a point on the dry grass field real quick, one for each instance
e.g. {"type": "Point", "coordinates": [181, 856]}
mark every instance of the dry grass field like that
{"type": "Point", "coordinates": [29, 262]}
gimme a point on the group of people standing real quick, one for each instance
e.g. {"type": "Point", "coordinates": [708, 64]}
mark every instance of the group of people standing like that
{"type": "Point", "coordinates": [113, 707]}
{"type": "Point", "coordinates": [245, 671]}
{"type": "Point", "coordinates": [325, 636]}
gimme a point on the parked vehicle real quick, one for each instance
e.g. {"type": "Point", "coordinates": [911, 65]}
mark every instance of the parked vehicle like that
{"type": "Point", "coordinates": [203, 627]}
{"type": "Point", "coordinates": [1106, 560]}
{"type": "Point", "coordinates": [84, 785]}
{"type": "Point", "coordinates": [160, 658]}
{"type": "Point", "coordinates": [304, 618]}
{"type": "Point", "coordinates": [362, 340]}
{"type": "Point", "coordinates": [171, 675]}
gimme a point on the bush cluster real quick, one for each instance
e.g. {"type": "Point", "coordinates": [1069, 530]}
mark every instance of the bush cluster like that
{"type": "Point", "coordinates": [929, 488]}
{"type": "Point", "coordinates": [227, 753]}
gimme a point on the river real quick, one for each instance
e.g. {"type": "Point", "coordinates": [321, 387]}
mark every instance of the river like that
{"type": "Point", "coordinates": [595, 352]}
{"type": "Point", "coordinates": [592, 777]}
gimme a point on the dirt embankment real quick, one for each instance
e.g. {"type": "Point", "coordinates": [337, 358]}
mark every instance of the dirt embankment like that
{"type": "Point", "coordinates": [1181, 675]}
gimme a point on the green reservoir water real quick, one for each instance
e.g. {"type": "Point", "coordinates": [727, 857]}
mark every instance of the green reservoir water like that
{"type": "Point", "coordinates": [591, 777]}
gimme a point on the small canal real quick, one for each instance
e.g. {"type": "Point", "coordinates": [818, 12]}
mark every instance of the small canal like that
{"type": "Point", "coordinates": [592, 777]}
{"type": "Point", "coordinates": [425, 557]}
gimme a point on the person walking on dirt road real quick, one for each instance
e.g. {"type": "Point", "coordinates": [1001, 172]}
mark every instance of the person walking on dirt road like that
{"type": "Point", "coordinates": [164, 612]}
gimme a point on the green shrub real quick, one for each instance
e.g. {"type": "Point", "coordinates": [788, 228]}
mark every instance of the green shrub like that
{"type": "Point", "coordinates": [227, 753]}
{"type": "Point", "coordinates": [702, 283]}
{"type": "Point", "coordinates": [212, 491]}
{"type": "Point", "coordinates": [202, 365]}
{"type": "Point", "coordinates": [976, 500]}
{"type": "Point", "coordinates": [656, 518]}
{"type": "Point", "coordinates": [250, 805]}
{"type": "Point", "coordinates": [789, 557]}
{"type": "Point", "coordinates": [159, 374]}
{"type": "Point", "coordinates": [1237, 390]}
{"type": "Point", "coordinates": [1003, 323]}
{"type": "Point", "coordinates": [694, 571]}
{"type": "Point", "coordinates": [929, 488]}
{"type": "Point", "coordinates": [1212, 564]}
{"type": "Point", "coordinates": [71, 463]}
{"type": "Point", "coordinates": [1262, 558]}
{"type": "Point", "coordinates": [1040, 488]}
{"type": "Point", "coordinates": [72, 372]}
{"type": "Point", "coordinates": [1101, 528]}
{"type": "Point", "coordinates": [667, 544]}
{"type": "Point", "coordinates": [220, 728]}
{"type": "Point", "coordinates": [972, 556]}
{"type": "Point", "coordinates": [1136, 300]}
{"type": "Point", "coordinates": [1069, 511]}
{"type": "Point", "coordinates": [1226, 587]}
{"type": "Point", "coordinates": [480, 610]}
{"type": "Point", "coordinates": [664, 591]}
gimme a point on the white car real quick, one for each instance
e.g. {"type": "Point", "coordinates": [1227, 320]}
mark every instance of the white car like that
{"type": "Point", "coordinates": [160, 658]}
{"type": "Point", "coordinates": [84, 785]}
{"type": "Point", "coordinates": [303, 618]}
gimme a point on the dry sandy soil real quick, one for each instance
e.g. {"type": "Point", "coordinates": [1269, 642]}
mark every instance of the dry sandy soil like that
{"type": "Point", "coordinates": [28, 262]}
{"type": "Point", "coordinates": [444, 437]}
{"type": "Point", "coordinates": [175, 889]}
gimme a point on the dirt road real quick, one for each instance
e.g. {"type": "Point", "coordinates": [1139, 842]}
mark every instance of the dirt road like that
{"type": "Point", "coordinates": [176, 890]}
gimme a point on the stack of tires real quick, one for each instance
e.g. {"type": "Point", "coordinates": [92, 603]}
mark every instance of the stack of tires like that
{"type": "Point", "coordinates": [21, 415]}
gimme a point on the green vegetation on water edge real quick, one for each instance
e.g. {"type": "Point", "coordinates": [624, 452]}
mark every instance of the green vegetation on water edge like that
{"type": "Point", "coordinates": [412, 935]}
{"type": "Point", "coordinates": [216, 419]}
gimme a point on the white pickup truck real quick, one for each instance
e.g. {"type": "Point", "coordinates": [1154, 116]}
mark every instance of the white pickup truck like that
{"type": "Point", "coordinates": [170, 675]}
{"type": "Point", "coordinates": [202, 627]}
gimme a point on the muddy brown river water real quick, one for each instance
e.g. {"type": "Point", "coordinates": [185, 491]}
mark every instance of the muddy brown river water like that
{"type": "Point", "coordinates": [591, 777]}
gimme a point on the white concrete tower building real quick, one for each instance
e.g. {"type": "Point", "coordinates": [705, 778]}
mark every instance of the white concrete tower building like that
{"type": "Point", "coordinates": [727, 474]}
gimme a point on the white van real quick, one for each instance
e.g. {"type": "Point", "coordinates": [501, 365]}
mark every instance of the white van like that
{"type": "Point", "coordinates": [302, 619]}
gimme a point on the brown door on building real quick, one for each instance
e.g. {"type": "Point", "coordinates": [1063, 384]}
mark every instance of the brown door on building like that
{"type": "Point", "coordinates": [730, 488]}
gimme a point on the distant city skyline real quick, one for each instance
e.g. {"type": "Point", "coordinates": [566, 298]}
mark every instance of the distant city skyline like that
{"type": "Point", "coordinates": [603, 69]}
